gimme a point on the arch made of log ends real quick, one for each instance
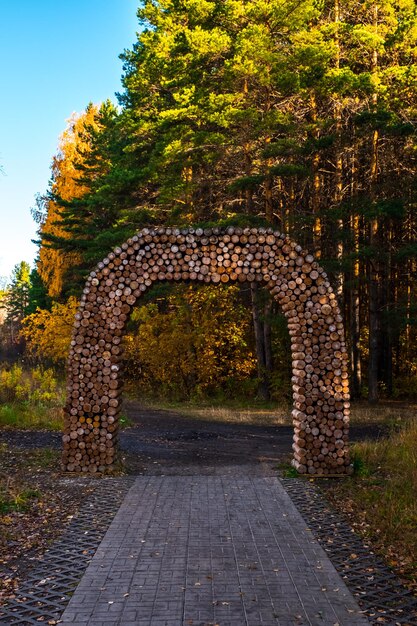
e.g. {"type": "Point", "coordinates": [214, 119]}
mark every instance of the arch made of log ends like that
{"type": "Point", "coordinates": [213, 255]}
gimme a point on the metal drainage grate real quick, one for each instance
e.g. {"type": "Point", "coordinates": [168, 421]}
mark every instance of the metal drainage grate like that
{"type": "Point", "coordinates": [377, 589]}
{"type": "Point", "coordinates": [47, 588]}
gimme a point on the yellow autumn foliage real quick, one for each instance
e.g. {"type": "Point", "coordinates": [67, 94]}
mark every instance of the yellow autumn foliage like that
{"type": "Point", "coordinates": [72, 149]}
{"type": "Point", "coordinates": [48, 333]}
{"type": "Point", "coordinates": [195, 344]}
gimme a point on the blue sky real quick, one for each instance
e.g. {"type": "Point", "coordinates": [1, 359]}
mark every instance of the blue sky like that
{"type": "Point", "coordinates": [55, 57]}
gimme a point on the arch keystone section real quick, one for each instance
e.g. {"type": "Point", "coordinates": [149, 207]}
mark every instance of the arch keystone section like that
{"type": "Point", "coordinates": [300, 286]}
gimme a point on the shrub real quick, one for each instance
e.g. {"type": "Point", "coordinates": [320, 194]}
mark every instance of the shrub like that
{"type": "Point", "coordinates": [30, 398]}
{"type": "Point", "coordinates": [38, 386]}
{"type": "Point", "coordinates": [48, 333]}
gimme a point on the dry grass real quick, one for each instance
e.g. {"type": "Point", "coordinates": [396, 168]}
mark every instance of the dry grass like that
{"type": "Point", "coordinates": [381, 498]}
{"type": "Point", "coordinates": [390, 413]}
{"type": "Point", "coordinates": [232, 413]}
{"type": "Point", "coordinates": [255, 417]}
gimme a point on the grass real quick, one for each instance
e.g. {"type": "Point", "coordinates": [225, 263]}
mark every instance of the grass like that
{"type": "Point", "coordinates": [17, 494]}
{"type": "Point", "coordinates": [44, 458]}
{"type": "Point", "coordinates": [389, 413]}
{"type": "Point", "coordinates": [16, 500]}
{"type": "Point", "coordinates": [381, 498]}
{"type": "Point", "coordinates": [233, 411]}
{"type": "Point", "coordinates": [31, 416]}
{"type": "Point", "coordinates": [27, 461]}
{"type": "Point", "coordinates": [125, 421]}
{"type": "Point", "coordinates": [288, 471]}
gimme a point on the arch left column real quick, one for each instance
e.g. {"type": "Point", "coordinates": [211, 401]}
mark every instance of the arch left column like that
{"type": "Point", "coordinates": [94, 361]}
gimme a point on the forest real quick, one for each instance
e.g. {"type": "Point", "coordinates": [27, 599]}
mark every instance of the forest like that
{"type": "Point", "coordinates": [295, 114]}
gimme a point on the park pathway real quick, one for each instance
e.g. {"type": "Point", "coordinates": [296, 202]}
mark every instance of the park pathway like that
{"type": "Point", "coordinates": [225, 547]}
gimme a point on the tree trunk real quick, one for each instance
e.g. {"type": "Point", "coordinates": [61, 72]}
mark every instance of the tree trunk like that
{"type": "Point", "coordinates": [262, 343]}
{"type": "Point", "coordinates": [374, 273]}
{"type": "Point", "coordinates": [316, 191]}
{"type": "Point", "coordinates": [374, 291]}
{"type": "Point", "coordinates": [354, 342]}
{"type": "Point", "coordinates": [268, 337]}
{"type": "Point", "coordinates": [355, 273]}
{"type": "Point", "coordinates": [387, 328]}
{"type": "Point", "coordinates": [338, 183]}
{"type": "Point", "coordinates": [374, 333]}
{"type": "Point", "coordinates": [269, 206]}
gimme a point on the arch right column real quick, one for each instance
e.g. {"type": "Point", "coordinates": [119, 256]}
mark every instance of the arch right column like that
{"type": "Point", "coordinates": [320, 379]}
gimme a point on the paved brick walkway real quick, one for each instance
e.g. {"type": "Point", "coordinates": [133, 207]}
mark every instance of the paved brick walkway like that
{"type": "Point", "coordinates": [210, 550]}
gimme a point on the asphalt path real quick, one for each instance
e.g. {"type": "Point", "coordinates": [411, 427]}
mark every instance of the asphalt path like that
{"type": "Point", "coordinates": [168, 442]}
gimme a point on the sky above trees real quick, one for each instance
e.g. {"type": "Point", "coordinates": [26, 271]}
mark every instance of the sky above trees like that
{"type": "Point", "coordinates": [55, 57]}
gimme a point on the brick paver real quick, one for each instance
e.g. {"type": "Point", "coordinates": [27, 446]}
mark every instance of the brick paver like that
{"type": "Point", "coordinates": [205, 550]}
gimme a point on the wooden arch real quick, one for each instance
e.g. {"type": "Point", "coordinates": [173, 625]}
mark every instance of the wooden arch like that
{"type": "Point", "coordinates": [319, 358]}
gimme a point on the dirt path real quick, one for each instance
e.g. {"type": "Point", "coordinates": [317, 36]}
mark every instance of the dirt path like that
{"type": "Point", "coordinates": [166, 442]}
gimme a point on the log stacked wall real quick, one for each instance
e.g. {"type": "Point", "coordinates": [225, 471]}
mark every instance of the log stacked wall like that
{"type": "Point", "coordinates": [301, 287]}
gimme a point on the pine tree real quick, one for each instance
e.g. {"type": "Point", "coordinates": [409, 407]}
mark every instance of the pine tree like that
{"type": "Point", "coordinates": [38, 297]}
{"type": "Point", "coordinates": [16, 301]}
{"type": "Point", "coordinates": [18, 292]}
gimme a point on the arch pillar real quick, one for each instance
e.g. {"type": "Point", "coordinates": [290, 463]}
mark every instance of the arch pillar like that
{"type": "Point", "coordinates": [294, 278]}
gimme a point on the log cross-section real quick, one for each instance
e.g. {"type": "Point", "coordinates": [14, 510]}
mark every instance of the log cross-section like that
{"type": "Point", "coordinates": [210, 255]}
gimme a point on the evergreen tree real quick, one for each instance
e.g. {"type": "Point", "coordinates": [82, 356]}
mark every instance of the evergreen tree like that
{"type": "Point", "coordinates": [38, 297]}
{"type": "Point", "coordinates": [16, 302]}
{"type": "Point", "coordinates": [18, 292]}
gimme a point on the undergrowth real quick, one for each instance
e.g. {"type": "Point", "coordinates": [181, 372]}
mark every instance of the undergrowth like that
{"type": "Point", "coordinates": [30, 399]}
{"type": "Point", "coordinates": [17, 493]}
{"type": "Point", "coordinates": [381, 497]}
{"type": "Point", "coordinates": [16, 500]}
